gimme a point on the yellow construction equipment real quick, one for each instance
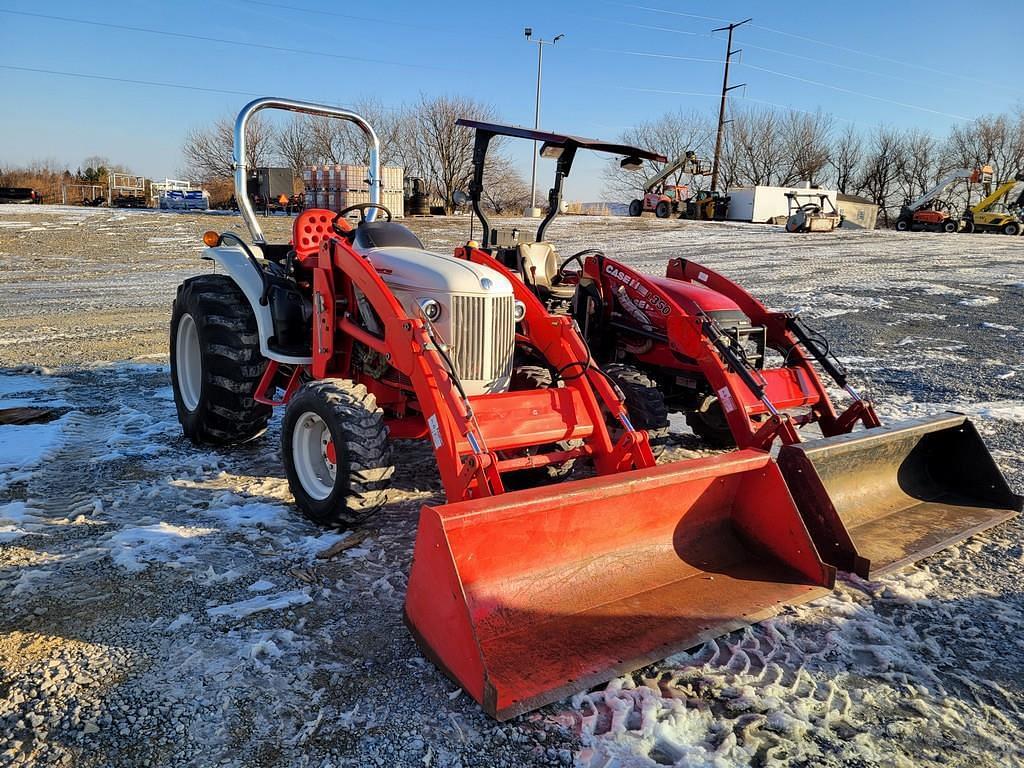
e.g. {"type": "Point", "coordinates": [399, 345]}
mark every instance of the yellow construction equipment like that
{"type": "Point", "coordinates": [1000, 210]}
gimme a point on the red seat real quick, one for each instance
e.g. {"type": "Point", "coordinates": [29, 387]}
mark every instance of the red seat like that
{"type": "Point", "coordinates": [310, 228]}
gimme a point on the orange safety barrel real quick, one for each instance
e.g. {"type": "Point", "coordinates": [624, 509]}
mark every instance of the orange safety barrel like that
{"type": "Point", "coordinates": [529, 596]}
{"type": "Point", "coordinates": [879, 499]}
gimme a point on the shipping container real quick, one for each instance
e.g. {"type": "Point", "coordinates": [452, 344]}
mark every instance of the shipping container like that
{"type": "Point", "coordinates": [765, 205]}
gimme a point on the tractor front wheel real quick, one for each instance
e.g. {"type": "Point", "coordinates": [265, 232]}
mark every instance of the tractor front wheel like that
{"type": "Point", "coordinates": [902, 225]}
{"type": "Point", "coordinates": [644, 402]}
{"type": "Point", "coordinates": [636, 208]}
{"type": "Point", "coordinates": [337, 454]}
{"type": "Point", "coordinates": [1012, 229]}
{"type": "Point", "coordinates": [950, 226]}
{"type": "Point", "coordinates": [662, 209]}
{"type": "Point", "coordinates": [216, 363]}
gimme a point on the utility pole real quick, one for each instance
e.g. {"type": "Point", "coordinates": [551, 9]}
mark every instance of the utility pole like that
{"type": "Point", "coordinates": [536, 113]}
{"type": "Point", "coordinates": [725, 92]}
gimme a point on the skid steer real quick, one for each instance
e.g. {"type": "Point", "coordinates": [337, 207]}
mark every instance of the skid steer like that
{"type": "Point", "coordinates": [363, 336]}
{"type": "Point", "coordinates": [874, 497]}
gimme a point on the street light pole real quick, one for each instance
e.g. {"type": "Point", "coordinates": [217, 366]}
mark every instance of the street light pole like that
{"type": "Point", "coordinates": [536, 112]}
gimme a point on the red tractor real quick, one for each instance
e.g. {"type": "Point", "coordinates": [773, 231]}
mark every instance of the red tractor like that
{"type": "Point", "coordinates": [874, 497]}
{"type": "Point", "coordinates": [364, 337]}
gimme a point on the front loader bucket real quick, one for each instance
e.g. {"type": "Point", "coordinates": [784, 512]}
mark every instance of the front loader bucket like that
{"type": "Point", "coordinates": [877, 500]}
{"type": "Point", "coordinates": [529, 596]}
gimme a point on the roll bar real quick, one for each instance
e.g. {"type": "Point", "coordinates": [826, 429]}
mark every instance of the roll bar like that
{"type": "Point", "coordinates": [306, 108]}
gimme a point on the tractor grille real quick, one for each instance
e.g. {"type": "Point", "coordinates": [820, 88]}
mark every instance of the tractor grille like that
{"type": "Point", "coordinates": [483, 334]}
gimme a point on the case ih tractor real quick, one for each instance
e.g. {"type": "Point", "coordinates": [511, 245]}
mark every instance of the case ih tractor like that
{"type": "Point", "coordinates": [363, 337]}
{"type": "Point", "coordinates": [874, 497]}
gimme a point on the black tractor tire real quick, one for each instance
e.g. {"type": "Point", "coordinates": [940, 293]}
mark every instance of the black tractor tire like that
{"type": "Point", "coordinates": [645, 404]}
{"type": "Point", "coordinates": [538, 377]}
{"type": "Point", "coordinates": [949, 226]}
{"type": "Point", "coordinates": [354, 425]}
{"type": "Point", "coordinates": [636, 208]}
{"type": "Point", "coordinates": [709, 424]}
{"type": "Point", "coordinates": [1012, 229]}
{"type": "Point", "coordinates": [903, 225]}
{"type": "Point", "coordinates": [968, 227]}
{"type": "Point", "coordinates": [211, 319]}
{"type": "Point", "coordinates": [662, 209]}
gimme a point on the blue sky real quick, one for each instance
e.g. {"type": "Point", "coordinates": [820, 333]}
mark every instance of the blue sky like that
{"type": "Point", "coordinates": [909, 64]}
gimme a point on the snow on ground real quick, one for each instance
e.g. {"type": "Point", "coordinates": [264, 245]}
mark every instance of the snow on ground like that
{"type": "Point", "coordinates": [165, 603]}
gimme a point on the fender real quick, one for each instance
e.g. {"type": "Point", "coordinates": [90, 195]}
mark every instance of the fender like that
{"type": "Point", "coordinates": [238, 267]}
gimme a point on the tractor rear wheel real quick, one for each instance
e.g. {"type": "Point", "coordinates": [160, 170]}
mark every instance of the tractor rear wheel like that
{"type": "Point", "coordinates": [645, 404]}
{"type": "Point", "coordinates": [215, 362]}
{"type": "Point", "coordinates": [662, 209]}
{"type": "Point", "coordinates": [709, 424]}
{"type": "Point", "coordinates": [636, 208]}
{"type": "Point", "coordinates": [1012, 229]}
{"type": "Point", "coordinates": [950, 226]}
{"type": "Point", "coordinates": [902, 225]}
{"type": "Point", "coordinates": [337, 455]}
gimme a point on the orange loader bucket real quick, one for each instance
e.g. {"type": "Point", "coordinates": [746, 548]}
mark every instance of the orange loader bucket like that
{"type": "Point", "coordinates": [878, 499]}
{"type": "Point", "coordinates": [529, 596]}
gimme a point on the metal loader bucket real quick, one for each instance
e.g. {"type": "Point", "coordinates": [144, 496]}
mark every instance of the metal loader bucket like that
{"type": "Point", "coordinates": [880, 499]}
{"type": "Point", "coordinates": [530, 596]}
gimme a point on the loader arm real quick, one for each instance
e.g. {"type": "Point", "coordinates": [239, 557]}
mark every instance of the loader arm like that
{"type": "Point", "coordinates": [467, 469]}
{"type": "Point", "coordinates": [786, 333]}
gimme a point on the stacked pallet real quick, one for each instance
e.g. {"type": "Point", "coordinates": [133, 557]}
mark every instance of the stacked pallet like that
{"type": "Point", "coordinates": [338, 186]}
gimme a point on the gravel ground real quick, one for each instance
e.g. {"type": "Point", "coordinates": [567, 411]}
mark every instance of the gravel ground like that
{"type": "Point", "coordinates": [166, 605]}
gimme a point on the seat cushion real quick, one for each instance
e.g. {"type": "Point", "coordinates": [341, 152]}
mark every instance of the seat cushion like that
{"type": "Point", "coordinates": [384, 234]}
{"type": "Point", "coordinates": [539, 262]}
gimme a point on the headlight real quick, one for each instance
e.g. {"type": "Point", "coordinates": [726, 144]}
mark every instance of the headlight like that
{"type": "Point", "coordinates": [431, 309]}
{"type": "Point", "coordinates": [519, 310]}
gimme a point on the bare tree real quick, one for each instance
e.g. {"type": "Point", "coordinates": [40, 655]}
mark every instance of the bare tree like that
{"type": "Point", "coordinates": [919, 164]}
{"type": "Point", "coordinates": [805, 141]}
{"type": "Point", "coordinates": [338, 141]}
{"type": "Point", "coordinates": [295, 145]}
{"type": "Point", "coordinates": [757, 147]}
{"type": "Point", "coordinates": [440, 151]}
{"type": "Point", "coordinates": [672, 134]}
{"type": "Point", "coordinates": [845, 158]}
{"type": "Point", "coordinates": [883, 161]}
{"type": "Point", "coordinates": [505, 190]}
{"type": "Point", "coordinates": [207, 151]}
{"type": "Point", "coordinates": [994, 139]}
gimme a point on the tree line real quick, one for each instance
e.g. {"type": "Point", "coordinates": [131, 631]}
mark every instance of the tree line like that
{"type": "Point", "coordinates": [778, 147]}
{"type": "Point", "coordinates": [422, 138]}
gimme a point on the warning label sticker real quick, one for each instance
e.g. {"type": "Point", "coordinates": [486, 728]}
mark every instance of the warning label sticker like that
{"type": "Point", "coordinates": [435, 431]}
{"type": "Point", "coordinates": [725, 398]}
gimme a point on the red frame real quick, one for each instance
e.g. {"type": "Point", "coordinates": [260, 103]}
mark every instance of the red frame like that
{"type": "Point", "coordinates": [472, 439]}
{"type": "Point", "coordinates": [688, 350]}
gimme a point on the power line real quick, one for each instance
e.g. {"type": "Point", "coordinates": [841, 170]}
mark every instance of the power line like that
{"type": "Point", "coordinates": [827, 44]}
{"type": "Point", "coordinates": [225, 41]}
{"type": "Point", "coordinates": [854, 93]}
{"type": "Point", "coordinates": [87, 76]}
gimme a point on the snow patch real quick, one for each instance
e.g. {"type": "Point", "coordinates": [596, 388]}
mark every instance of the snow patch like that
{"type": "Point", "coordinates": [978, 301]}
{"type": "Point", "coordinates": [134, 549]}
{"type": "Point", "coordinates": [253, 605]}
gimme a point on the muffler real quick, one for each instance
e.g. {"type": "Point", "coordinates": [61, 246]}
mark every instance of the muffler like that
{"type": "Point", "coordinates": [530, 596]}
{"type": "Point", "coordinates": [879, 499]}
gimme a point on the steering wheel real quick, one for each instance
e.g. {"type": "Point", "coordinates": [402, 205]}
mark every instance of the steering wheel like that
{"type": "Point", "coordinates": [578, 258]}
{"type": "Point", "coordinates": [362, 208]}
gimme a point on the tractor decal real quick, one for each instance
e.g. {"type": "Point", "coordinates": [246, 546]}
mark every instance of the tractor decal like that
{"type": "Point", "coordinates": [646, 306]}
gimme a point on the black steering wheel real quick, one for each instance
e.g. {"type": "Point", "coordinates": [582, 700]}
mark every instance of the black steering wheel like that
{"type": "Point", "coordinates": [362, 208]}
{"type": "Point", "coordinates": [578, 258]}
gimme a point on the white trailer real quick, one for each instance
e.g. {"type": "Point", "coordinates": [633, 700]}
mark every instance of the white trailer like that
{"type": "Point", "coordinates": [766, 205]}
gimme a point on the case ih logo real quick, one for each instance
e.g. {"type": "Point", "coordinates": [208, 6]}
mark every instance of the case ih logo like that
{"type": "Point", "coordinates": [643, 299]}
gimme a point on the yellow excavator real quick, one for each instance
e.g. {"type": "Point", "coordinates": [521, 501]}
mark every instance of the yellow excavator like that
{"type": "Point", "coordinates": [1000, 210]}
